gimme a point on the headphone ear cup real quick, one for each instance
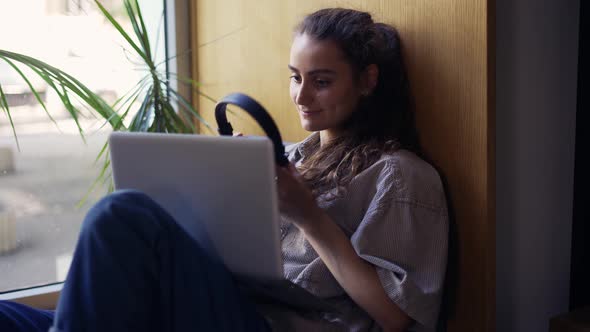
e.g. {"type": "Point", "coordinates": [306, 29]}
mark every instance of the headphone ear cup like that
{"type": "Point", "coordinates": [259, 114]}
{"type": "Point", "coordinates": [224, 128]}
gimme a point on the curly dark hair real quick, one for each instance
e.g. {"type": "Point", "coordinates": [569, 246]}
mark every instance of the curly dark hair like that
{"type": "Point", "coordinates": [383, 121]}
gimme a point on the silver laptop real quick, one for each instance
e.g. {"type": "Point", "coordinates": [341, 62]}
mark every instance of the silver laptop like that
{"type": "Point", "coordinates": [222, 191]}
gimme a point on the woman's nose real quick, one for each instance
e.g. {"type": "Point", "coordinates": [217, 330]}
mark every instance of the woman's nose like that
{"type": "Point", "coordinates": [304, 95]}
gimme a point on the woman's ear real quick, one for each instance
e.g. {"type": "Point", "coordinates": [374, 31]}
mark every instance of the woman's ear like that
{"type": "Point", "coordinates": [370, 78]}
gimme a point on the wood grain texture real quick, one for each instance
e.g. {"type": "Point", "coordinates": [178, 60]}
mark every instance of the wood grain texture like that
{"type": "Point", "coordinates": [448, 45]}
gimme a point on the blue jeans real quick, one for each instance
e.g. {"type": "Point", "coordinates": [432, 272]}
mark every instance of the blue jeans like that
{"type": "Point", "coordinates": [136, 269]}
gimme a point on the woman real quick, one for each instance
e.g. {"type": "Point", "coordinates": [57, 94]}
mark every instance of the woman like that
{"type": "Point", "coordinates": [364, 221]}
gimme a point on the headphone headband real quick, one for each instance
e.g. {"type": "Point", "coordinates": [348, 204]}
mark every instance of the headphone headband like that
{"type": "Point", "coordinates": [259, 114]}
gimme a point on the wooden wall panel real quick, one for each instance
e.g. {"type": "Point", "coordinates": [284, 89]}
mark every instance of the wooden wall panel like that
{"type": "Point", "coordinates": [244, 46]}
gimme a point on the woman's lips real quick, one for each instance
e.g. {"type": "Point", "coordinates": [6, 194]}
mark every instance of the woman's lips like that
{"type": "Point", "coordinates": [309, 113]}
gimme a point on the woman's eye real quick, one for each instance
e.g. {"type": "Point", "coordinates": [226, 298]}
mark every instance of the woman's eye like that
{"type": "Point", "coordinates": [322, 83]}
{"type": "Point", "coordinates": [295, 78]}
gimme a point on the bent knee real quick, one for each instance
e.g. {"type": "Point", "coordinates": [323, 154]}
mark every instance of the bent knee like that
{"type": "Point", "coordinates": [127, 196]}
{"type": "Point", "coordinates": [120, 209]}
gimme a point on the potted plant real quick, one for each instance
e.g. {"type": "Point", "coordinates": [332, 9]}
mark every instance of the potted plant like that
{"type": "Point", "coordinates": [161, 108]}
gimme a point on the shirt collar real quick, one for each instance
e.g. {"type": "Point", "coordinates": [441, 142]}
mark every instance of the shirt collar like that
{"type": "Point", "coordinates": [308, 145]}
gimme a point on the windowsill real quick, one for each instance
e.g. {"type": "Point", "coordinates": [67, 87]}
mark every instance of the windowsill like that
{"type": "Point", "coordinates": [43, 297]}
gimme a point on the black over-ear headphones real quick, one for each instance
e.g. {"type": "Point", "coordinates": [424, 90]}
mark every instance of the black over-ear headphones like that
{"type": "Point", "coordinates": [259, 114]}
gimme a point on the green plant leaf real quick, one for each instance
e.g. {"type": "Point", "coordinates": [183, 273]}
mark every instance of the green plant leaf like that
{"type": "Point", "coordinates": [99, 179]}
{"type": "Point", "coordinates": [102, 151]}
{"type": "Point", "coordinates": [4, 105]}
{"type": "Point", "coordinates": [184, 104]}
{"type": "Point", "coordinates": [33, 90]}
{"type": "Point", "coordinates": [175, 123]}
{"type": "Point", "coordinates": [194, 84]}
{"type": "Point", "coordinates": [126, 97]}
{"type": "Point", "coordinates": [59, 80]}
{"type": "Point", "coordinates": [140, 30]}
{"type": "Point", "coordinates": [121, 31]}
{"type": "Point", "coordinates": [141, 120]}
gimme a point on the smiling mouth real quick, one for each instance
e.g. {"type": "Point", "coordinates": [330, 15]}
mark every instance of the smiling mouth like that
{"type": "Point", "coordinates": [309, 112]}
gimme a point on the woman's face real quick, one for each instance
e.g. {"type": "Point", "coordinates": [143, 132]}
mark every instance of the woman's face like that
{"type": "Point", "coordinates": [323, 86]}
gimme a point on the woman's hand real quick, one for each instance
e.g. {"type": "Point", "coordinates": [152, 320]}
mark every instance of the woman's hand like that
{"type": "Point", "coordinates": [295, 199]}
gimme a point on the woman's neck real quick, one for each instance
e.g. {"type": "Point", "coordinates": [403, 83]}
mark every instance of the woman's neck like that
{"type": "Point", "coordinates": [328, 135]}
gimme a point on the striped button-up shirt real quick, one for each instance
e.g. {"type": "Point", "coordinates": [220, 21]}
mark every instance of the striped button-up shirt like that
{"type": "Point", "coordinates": [394, 213]}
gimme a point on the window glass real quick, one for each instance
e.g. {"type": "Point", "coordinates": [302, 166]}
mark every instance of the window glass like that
{"type": "Point", "coordinates": [42, 185]}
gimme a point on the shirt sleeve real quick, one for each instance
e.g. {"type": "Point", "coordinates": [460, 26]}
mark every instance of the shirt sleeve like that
{"type": "Point", "coordinates": [404, 233]}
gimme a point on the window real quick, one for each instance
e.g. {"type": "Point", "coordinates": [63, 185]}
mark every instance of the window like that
{"type": "Point", "coordinates": [42, 184]}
